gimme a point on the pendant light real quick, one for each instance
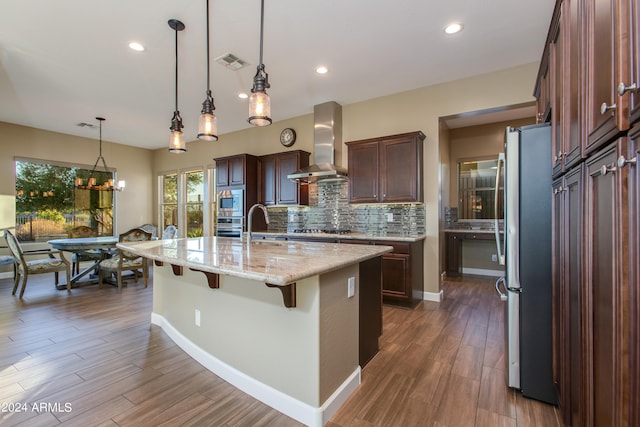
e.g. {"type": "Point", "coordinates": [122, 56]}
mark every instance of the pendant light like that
{"type": "Point", "coordinates": [259, 102]}
{"type": "Point", "coordinates": [91, 182]}
{"type": "Point", "coordinates": [208, 123]}
{"type": "Point", "coordinates": [177, 144]}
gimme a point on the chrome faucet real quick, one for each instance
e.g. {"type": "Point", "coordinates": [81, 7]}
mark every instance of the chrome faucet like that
{"type": "Point", "coordinates": [250, 220]}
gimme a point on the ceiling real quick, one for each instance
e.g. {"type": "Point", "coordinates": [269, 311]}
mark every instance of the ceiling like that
{"type": "Point", "coordinates": [65, 62]}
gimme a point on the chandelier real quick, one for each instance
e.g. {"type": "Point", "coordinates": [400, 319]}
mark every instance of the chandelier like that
{"type": "Point", "coordinates": [91, 184]}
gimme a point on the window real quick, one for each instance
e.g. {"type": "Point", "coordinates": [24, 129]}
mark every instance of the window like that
{"type": "Point", "coordinates": [169, 197]}
{"type": "Point", "coordinates": [476, 190]}
{"type": "Point", "coordinates": [48, 205]}
{"type": "Point", "coordinates": [194, 203]}
{"type": "Point", "coordinates": [187, 201]}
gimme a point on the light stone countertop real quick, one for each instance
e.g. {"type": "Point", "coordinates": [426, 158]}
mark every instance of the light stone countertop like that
{"type": "Point", "coordinates": [348, 236]}
{"type": "Point", "coordinates": [275, 262]}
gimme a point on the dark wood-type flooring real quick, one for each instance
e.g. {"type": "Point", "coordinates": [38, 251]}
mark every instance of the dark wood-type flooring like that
{"type": "Point", "coordinates": [91, 358]}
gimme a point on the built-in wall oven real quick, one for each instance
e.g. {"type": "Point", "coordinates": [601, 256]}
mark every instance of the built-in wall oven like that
{"type": "Point", "coordinates": [229, 227]}
{"type": "Point", "coordinates": [231, 203]}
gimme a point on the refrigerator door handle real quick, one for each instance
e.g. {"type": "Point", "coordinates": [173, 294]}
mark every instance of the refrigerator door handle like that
{"type": "Point", "coordinates": [496, 225]}
{"type": "Point", "coordinates": [503, 295]}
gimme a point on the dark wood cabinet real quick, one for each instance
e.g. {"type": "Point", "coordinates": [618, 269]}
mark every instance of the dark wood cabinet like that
{"type": "Point", "coordinates": [402, 273]}
{"type": "Point", "coordinates": [275, 187]}
{"type": "Point", "coordinates": [606, 53]}
{"type": "Point", "coordinates": [629, 85]}
{"type": "Point", "coordinates": [567, 294]}
{"type": "Point", "coordinates": [387, 169]}
{"type": "Point", "coordinates": [565, 56]}
{"type": "Point", "coordinates": [235, 170]}
{"type": "Point", "coordinates": [453, 254]}
{"type": "Point", "coordinates": [542, 92]}
{"type": "Point", "coordinates": [607, 293]}
{"type": "Point", "coordinates": [631, 215]}
{"type": "Point", "coordinates": [364, 172]}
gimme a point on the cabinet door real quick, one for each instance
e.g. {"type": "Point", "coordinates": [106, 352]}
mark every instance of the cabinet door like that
{"type": "Point", "coordinates": [634, 63]}
{"type": "Point", "coordinates": [559, 294]}
{"type": "Point", "coordinates": [363, 172]}
{"type": "Point", "coordinates": [222, 173]}
{"type": "Point", "coordinates": [543, 98]}
{"type": "Point", "coordinates": [572, 22]}
{"type": "Point", "coordinates": [236, 170]}
{"type": "Point", "coordinates": [454, 252]}
{"type": "Point", "coordinates": [268, 180]}
{"type": "Point", "coordinates": [556, 63]}
{"type": "Point", "coordinates": [400, 180]}
{"type": "Point", "coordinates": [572, 254]}
{"type": "Point", "coordinates": [603, 287]}
{"type": "Point", "coordinates": [287, 190]}
{"type": "Point", "coordinates": [634, 267]}
{"type": "Point", "coordinates": [603, 113]}
{"type": "Point", "coordinates": [394, 276]}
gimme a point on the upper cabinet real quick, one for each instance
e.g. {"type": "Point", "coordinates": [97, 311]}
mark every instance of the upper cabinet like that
{"type": "Point", "coordinates": [607, 54]}
{"type": "Point", "coordinates": [387, 169]}
{"type": "Point", "coordinates": [629, 89]}
{"type": "Point", "coordinates": [275, 187]}
{"type": "Point", "coordinates": [235, 170]}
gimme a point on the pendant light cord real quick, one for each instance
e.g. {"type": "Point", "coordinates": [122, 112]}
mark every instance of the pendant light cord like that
{"type": "Point", "coordinates": [208, 70]}
{"type": "Point", "coordinates": [176, 69]}
{"type": "Point", "coordinates": [261, 27]}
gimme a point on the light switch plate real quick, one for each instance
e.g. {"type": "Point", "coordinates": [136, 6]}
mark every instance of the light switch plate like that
{"type": "Point", "coordinates": [351, 287]}
{"type": "Point", "coordinates": [197, 317]}
{"type": "Point", "coordinates": [390, 217]}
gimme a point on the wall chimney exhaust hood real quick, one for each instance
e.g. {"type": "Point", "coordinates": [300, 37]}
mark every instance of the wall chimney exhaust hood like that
{"type": "Point", "coordinates": [327, 146]}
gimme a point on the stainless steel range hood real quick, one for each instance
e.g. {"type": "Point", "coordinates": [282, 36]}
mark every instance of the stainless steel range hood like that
{"type": "Point", "coordinates": [327, 146]}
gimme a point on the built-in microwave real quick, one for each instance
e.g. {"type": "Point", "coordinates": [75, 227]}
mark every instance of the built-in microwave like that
{"type": "Point", "coordinates": [231, 203]}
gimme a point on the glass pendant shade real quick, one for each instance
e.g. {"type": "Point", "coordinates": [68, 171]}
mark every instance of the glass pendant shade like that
{"type": "Point", "coordinates": [177, 144]}
{"type": "Point", "coordinates": [259, 109]}
{"type": "Point", "coordinates": [208, 127]}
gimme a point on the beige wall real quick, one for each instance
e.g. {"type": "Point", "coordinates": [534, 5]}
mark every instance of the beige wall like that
{"type": "Point", "coordinates": [133, 205]}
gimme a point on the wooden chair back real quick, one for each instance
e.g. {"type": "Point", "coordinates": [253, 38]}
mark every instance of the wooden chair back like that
{"type": "Point", "coordinates": [133, 235]}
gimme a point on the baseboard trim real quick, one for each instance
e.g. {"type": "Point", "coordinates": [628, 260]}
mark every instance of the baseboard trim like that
{"type": "Point", "coordinates": [300, 411]}
{"type": "Point", "coordinates": [433, 296]}
{"type": "Point", "coordinates": [483, 272]}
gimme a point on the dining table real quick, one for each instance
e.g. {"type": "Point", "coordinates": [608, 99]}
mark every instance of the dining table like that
{"type": "Point", "coordinates": [105, 245]}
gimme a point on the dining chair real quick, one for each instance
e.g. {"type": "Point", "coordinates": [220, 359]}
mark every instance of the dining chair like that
{"type": "Point", "coordinates": [90, 255]}
{"type": "Point", "coordinates": [150, 228]}
{"type": "Point", "coordinates": [170, 232]}
{"type": "Point", "coordinates": [52, 264]}
{"type": "Point", "coordinates": [126, 261]}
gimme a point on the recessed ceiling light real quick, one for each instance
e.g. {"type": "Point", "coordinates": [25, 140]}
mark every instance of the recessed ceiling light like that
{"type": "Point", "coordinates": [453, 28]}
{"type": "Point", "coordinates": [322, 70]}
{"type": "Point", "coordinates": [243, 95]}
{"type": "Point", "coordinates": [136, 46]}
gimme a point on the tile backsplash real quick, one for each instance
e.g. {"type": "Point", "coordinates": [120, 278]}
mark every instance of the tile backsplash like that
{"type": "Point", "coordinates": [329, 209]}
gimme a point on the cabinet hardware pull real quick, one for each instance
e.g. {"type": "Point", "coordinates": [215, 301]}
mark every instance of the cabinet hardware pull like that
{"type": "Point", "coordinates": [604, 107]}
{"type": "Point", "coordinates": [559, 156]}
{"type": "Point", "coordinates": [622, 161]}
{"type": "Point", "coordinates": [607, 168]}
{"type": "Point", "coordinates": [622, 88]}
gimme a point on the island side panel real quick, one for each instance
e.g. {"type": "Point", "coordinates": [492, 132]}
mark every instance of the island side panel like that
{"type": "Point", "coordinates": [338, 329]}
{"type": "Point", "coordinates": [245, 324]}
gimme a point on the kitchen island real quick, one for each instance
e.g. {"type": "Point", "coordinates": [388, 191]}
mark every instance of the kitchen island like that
{"type": "Point", "coordinates": [273, 318]}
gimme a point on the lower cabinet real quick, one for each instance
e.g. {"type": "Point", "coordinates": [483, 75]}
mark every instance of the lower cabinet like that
{"type": "Point", "coordinates": [607, 289]}
{"type": "Point", "coordinates": [453, 242]}
{"type": "Point", "coordinates": [568, 363]}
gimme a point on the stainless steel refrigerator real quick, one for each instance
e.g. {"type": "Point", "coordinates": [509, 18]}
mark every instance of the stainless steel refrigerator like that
{"type": "Point", "coordinates": [525, 250]}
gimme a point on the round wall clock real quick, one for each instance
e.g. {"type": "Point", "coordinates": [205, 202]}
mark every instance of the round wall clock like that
{"type": "Point", "coordinates": [287, 137]}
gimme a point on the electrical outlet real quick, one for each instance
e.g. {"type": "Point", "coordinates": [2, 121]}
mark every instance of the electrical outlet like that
{"type": "Point", "coordinates": [494, 257]}
{"type": "Point", "coordinates": [390, 217]}
{"type": "Point", "coordinates": [351, 287]}
{"type": "Point", "coordinates": [197, 317]}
